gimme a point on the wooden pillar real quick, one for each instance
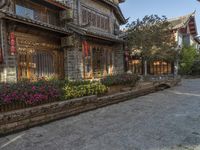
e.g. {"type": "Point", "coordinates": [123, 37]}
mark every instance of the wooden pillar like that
{"type": "Point", "coordinates": [92, 65]}
{"type": "Point", "coordinates": [105, 62]}
{"type": "Point", "coordinates": [83, 59]}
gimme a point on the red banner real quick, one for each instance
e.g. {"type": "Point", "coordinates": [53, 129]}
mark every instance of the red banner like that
{"type": "Point", "coordinates": [12, 43]}
{"type": "Point", "coordinates": [86, 48]}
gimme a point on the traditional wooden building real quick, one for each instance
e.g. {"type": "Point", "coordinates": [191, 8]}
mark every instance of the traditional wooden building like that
{"type": "Point", "coordinates": [31, 33]}
{"type": "Point", "coordinates": [185, 32]}
{"type": "Point", "coordinates": [76, 39]}
{"type": "Point", "coordinates": [97, 50]}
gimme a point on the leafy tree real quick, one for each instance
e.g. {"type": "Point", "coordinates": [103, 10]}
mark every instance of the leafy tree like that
{"type": "Point", "coordinates": [153, 37]}
{"type": "Point", "coordinates": [188, 56]}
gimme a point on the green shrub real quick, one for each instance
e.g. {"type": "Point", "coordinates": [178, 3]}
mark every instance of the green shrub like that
{"type": "Point", "coordinates": [187, 57]}
{"type": "Point", "coordinates": [120, 79]}
{"type": "Point", "coordinates": [85, 88]}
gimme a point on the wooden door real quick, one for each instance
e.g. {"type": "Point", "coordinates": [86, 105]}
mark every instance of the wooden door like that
{"type": "Point", "coordinates": [40, 64]}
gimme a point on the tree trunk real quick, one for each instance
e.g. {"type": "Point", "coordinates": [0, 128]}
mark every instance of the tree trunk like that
{"type": "Point", "coordinates": [176, 68]}
{"type": "Point", "coordinates": [145, 68]}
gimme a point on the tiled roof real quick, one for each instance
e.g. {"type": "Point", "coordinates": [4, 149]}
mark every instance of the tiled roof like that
{"type": "Point", "coordinates": [94, 33]}
{"type": "Point", "coordinates": [180, 22]}
{"type": "Point", "coordinates": [117, 10]}
{"type": "Point", "coordinates": [11, 16]}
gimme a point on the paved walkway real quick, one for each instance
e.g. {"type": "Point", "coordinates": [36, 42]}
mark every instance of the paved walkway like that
{"type": "Point", "coordinates": [167, 120]}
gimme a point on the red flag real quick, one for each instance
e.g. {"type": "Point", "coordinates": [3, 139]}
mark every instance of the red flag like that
{"type": "Point", "coordinates": [86, 48]}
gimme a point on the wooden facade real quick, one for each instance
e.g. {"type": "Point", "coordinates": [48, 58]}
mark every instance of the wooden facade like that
{"type": "Point", "coordinates": [99, 47]}
{"type": "Point", "coordinates": [38, 57]}
{"type": "Point", "coordinates": [98, 61]}
{"type": "Point", "coordinates": [156, 67]}
{"type": "Point", "coordinates": [42, 38]}
{"type": "Point", "coordinates": [31, 33]}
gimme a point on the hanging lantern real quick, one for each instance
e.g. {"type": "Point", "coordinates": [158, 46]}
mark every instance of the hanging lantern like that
{"type": "Point", "coordinates": [1, 56]}
{"type": "Point", "coordinates": [12, 43]}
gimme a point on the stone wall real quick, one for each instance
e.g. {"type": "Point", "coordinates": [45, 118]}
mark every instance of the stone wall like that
{"type": "Point", "coordinates": [73, 60]}
{"type": "Point", "coordinates": [26, 118]}
{"type": "Point", "coordinates": [119, 59]}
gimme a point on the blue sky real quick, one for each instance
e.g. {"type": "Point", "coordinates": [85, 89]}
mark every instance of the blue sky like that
{"type": "Point", "coordinates": [170, 8]}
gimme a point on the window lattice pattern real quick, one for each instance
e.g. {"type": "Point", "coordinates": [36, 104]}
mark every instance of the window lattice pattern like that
{"type": "Point", "coordinates": [95, 19]}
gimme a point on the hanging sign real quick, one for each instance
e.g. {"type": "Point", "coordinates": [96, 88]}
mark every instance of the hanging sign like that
{"type": "Point", "coordinates": [12, 43]}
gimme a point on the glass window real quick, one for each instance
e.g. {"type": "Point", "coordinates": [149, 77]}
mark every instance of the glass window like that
{"type": "Point", "coordinates": [25, 12]}
{"type": "Point", "coordinates": [37, 12]}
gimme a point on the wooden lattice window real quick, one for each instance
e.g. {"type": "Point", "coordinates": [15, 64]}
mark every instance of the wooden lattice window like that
{"type": "Point", "coordinates": [160, 68]}
{"type": "Point", "coordinates": [28, 9]}
{"type": "Point", "coordinates": [98, 21]}
{"type": "Point", "coordinates": [95, 19]}
{"type": "Point", "coordinates": [98, 63]}
{"type": "Point", "coordinates": [102, 22]}
{"type": "Point", "coordinates": [84, 16]}
{"type": "Point", "coordinates": [106, 24]}
{"type": "Point", "coordinates": [89, 17]}
{"type": "Point", "coordinates": [39, 64]}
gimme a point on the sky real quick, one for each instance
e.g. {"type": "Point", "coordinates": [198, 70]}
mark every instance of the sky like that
{"type": "Point", "coordinates": [169, 8]}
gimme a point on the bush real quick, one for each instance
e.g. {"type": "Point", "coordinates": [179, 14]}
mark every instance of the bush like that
{"type": "Point", "coordinates": [187, 58]}
{"type": "Point", "coordinates": [195, 69]}
{"type": "Point", "coordinates": [83, 88]}
{"type": "Point", "coordinates": [120, 79]}
{"type": "Point", "coordinates": [29, 92]}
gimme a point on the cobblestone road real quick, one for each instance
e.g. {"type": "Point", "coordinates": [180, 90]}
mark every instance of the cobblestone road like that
{"type": "Point", "coordinates": [167, 120]}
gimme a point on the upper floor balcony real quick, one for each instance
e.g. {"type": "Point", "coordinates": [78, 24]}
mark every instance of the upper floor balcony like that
{"type": "Point", "coordinates": [48, 11]}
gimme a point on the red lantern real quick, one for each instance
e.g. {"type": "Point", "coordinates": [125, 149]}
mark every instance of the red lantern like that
{"type": "Point", "coordinates": [12, 35]}
{"type": "Point", "coordinates": [1, 56]}
{"type": "Point", "coordinates": [12, 43]}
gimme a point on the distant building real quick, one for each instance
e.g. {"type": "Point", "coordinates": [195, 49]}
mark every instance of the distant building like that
{"type": "Point", "coordinates": [185, 32]}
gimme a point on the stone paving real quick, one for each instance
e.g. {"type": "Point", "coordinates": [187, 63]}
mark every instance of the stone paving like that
{"type": "Point", "coordinates": [167, 120]}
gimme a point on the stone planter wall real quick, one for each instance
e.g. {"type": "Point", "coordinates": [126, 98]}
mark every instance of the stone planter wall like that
{"type": "Point", "coordinates": [26, 118]}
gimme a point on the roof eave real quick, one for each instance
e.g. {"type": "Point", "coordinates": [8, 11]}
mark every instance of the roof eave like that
{"type": "Point", "coordinates": [13, 17]}
{"type": "Point", "coordinates": [117, 10]}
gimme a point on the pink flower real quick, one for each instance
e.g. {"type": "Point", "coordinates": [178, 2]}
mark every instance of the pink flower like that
{"type": "Point", "coordinates": [33, 88]}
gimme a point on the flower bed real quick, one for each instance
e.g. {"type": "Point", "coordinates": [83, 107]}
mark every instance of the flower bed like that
{"type": "Point", "coordinates": [25, 94]}
{"type": "Point", "coordinates": [120, 79]}
{"type": "Point", "coordinates": [29, 93]}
